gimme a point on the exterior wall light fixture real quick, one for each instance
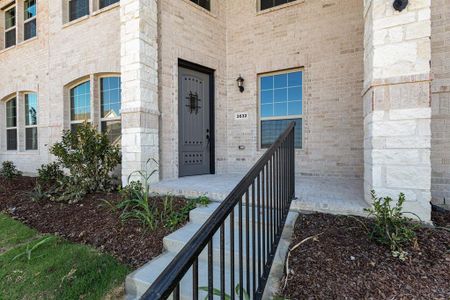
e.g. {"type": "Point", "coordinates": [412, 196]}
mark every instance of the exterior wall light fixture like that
{"type": "Point", "coordinates": [240, 83]}
{"type": "Point", "coordinates": [400, 5]}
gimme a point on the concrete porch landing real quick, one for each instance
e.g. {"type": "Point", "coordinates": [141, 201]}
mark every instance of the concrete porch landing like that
{"type": "Point", "coordinates": [324, 194]}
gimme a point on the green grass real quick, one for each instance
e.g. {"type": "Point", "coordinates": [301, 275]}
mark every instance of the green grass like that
{"type": "Point", "coordinates": [12, 233]}
{"type": "Point", "coordinates": [57, 269]}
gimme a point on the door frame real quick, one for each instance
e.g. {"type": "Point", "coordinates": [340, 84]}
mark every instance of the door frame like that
{"type": "Point", "coordinates": [210, 72]}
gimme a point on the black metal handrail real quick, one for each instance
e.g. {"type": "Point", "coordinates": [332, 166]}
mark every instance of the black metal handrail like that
{"type": "Point", "coordinates": [267, 189]}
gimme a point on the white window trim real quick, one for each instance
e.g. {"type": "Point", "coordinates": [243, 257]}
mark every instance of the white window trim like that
{"type": "Point", "coordinates": [25, 21]}
{"type": "Point", "coordinates": [11, 28]}
{"type": "Point", "coordinates": [70, 88]}
{"type": "Point", "coordinates": [119, 118]}
{"type": "Point", "coordinates": [15, 97]}
{"type": "Point", "coordinates": [99, 95]}
{"type": "Point", "coordinates": [277, 7]}
{"type": "Point", "coordinates": [37, 120]}
{"type": "Point", "coordinates": [288, 117]}
{"type": "Point", "coordinates": [79, 18]}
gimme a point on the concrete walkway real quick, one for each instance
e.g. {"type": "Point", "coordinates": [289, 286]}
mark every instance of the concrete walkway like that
{"type": "Point", "coordinates": [324, 194]}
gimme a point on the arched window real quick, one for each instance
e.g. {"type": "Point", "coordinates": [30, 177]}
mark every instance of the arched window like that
{"type": "Point", "coordinates": [110, 105]}
{"type": "Point", "coordinates": [11, 124]}
{"type": "Point", "coordinates": [31, 121]}
{"type": "Point", "coordinates": [80, 104]}
{"type": "Point", "coordinates": [97, 100]}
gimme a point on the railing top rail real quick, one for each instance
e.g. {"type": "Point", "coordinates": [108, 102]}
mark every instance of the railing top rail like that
{"type": "Point", "coordinates": [174, 272]}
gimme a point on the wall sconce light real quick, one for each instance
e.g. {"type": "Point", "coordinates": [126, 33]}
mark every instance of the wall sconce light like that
{"type": "Point", "coordinates": [240, 83]}
{"type": "Point", "coordinates": [400, 5]}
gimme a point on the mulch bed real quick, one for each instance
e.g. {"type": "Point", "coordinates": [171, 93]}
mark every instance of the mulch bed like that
{"type": "Point", "coordinates": [342, 263]}
{"type": "Point", "coordinates": [441, 218]}
{"type": "Point", "coordinates": [91, 222]}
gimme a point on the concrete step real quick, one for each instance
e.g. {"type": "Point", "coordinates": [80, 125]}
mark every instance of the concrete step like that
{"type": "Point", "coordinates": [178, 239]}
{"type": "Point", "coordinates": [140, 280]}
{"type": "Point", "coordinates": [201, 214]}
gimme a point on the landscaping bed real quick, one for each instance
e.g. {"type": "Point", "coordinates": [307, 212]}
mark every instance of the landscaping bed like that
{"type": "Point", "coordinates": [94, 221]}
{"type": "Point", "coordinates": [341, 262]}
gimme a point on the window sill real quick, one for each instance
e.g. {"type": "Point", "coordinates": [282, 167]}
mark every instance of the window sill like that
{"type": "Point", "coordinates": [20, 153]}
{"type": "Point", "coordinates": [7, 49]}
{"type": "Point", "coordinates": [19, 45]}
{"type": "Point", "coordinates": [105, 9]}
{"type": "Point", "coordinates": [199, 8]}
{"type": "Point", "coordinates": [269, 10]}
{"type": "Point", "coordinates": [76, 21]}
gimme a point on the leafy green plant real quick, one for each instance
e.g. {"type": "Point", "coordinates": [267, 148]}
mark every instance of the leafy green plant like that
{"type": "Point", "coordinates": [217, 292]}
{"type": "Point", "coordinates": [138, 205]}
{"type": "Point", "coordinates": [29, 250]}
{"type": "Point", "coordinates": [38, 193]}
{"type": "Point", "coordinates": [390, 227]}
{"type": "Point", "coordinates": [9, 170]}
{"type": "Point", "coordinates": [203, 200]}
{"type": "Point", "coordinates": [90, 159]}
{"type": "Point", "coordinates": [50, 174]}
{"type": "Point", "coordinates": [131, 189]}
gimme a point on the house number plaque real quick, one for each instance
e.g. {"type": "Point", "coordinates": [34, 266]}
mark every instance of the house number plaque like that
{"type": "Point", "coordinates": [241, 116]}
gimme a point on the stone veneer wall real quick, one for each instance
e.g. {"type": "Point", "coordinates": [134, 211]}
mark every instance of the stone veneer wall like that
{"type": "Point", "coordinates": [60, 54]}
{"type": "Point", "coordinates": [440, 89]}
{"type": "Point", "coordinates": [139, 66]}
{"type": "Point", "coordinates": [397, 103]}
{"type": "Point", "coordinates": [325, 38]}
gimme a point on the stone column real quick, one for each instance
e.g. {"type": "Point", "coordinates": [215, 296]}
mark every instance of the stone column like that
{"type": "Point", "coordinates": [397, 113]}
{"type": "Point", "coordinates": [139, 68]}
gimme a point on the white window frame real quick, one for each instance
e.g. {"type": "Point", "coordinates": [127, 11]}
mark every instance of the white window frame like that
{"type": "Point", "coordinates": [287, 117]}
{"type": "Point", "coordinates": [37, 119]}
{"type": "Point", "coordinates": [97, 3]}
{"type": "Point", "coordinates": [70, 88]}
{"type": "Point", "coordinates": [15, 97]}
{"type": "Point", "coordinates": [99, 82]}
{"type": "Point", "coordinates": [79, 18]}
{"type": "Point", "coordinates": [276, 7]}
{"type": "Point", "coordinates": [25, 21]}
{"type": "Point", "coordinates": [6, 30]}
{"type": "Point", "coordinates": [100, 97]}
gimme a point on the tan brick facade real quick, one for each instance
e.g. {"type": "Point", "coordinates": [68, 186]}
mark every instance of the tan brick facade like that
{"type": "Point", "coordinates": [348, 50]}
{"type": "Point", "coordinates": [60, 54]}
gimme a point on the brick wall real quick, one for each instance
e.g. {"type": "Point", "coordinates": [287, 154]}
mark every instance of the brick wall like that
{"type": "Point", "coordinates": [440, 63]}
{"type": "Point", "coordinates": [59, 55]}
{"type": "Point", "coordinates": [326, 39]}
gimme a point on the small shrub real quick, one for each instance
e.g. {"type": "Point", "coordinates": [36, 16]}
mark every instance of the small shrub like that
{"type": "Point", "coordinates": [50, 174]}
{"type": "Point", "coordinates": [38, 193]}
{"type": "Point", "coordinates": [138, 204]}
{"type": "Point", "coordinates": [390, 227]}
{"type": "Point", "coordinates": [203, 201]}
{"type": "Point", "coordinates": [133, 188]}
{"type": "Point", "coordinates": [90, 159]}
{"type": "Point", "coordinates": [9, 170]}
